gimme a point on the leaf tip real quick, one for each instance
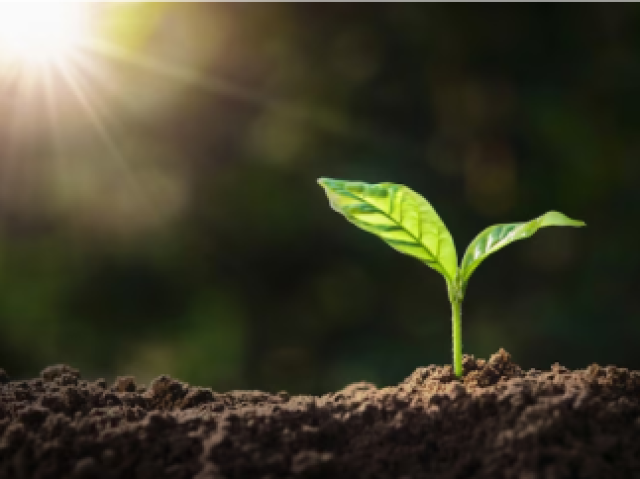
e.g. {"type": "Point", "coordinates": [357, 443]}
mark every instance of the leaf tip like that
{"type": "Point", "coordinates": [325, 182]}
{"type": "Point", "coordinates": [555, 218]}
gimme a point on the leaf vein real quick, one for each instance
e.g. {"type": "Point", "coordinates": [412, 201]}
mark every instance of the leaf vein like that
{"type": "Point", "coordinates": [419, 242]}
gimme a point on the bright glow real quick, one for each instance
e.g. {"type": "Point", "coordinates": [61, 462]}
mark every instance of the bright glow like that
{"type": "Point", "coordinates": [40, 32]}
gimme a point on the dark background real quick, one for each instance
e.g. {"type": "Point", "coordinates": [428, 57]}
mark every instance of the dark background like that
{"type": "Point", "coordinates": [159, 211]}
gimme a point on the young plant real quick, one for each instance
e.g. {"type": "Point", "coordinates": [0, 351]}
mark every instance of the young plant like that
{"type": "Point", "coordinates": [409, 224]}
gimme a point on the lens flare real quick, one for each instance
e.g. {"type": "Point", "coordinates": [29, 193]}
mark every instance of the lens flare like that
{"type": "Point", "coordinates": [40, 33]}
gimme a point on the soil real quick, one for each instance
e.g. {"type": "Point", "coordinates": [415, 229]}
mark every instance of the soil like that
{"type": "Point", "coordinates": [498, 421]}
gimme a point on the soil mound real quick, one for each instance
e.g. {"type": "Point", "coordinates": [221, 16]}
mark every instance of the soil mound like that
{"type": "Point", "coordinates": [497, 422]}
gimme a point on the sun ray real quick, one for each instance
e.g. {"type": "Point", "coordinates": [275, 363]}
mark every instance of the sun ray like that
{"type": "Point", "coordinates": [190, 77]}
{"type": "Point", "coordinates": [42, 49]}
{"type": "Point", "coordinates": [314, 116]}
{"type": "Point", "coordinates": [35, 39]}
{"type": "Point", "coordinates": [15, 181]}
{"type": "Point", "coordinates": [105, 136]}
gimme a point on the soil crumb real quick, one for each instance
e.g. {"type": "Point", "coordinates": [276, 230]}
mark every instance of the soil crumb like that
{"type": "Point", "coordinates": [497, 421]}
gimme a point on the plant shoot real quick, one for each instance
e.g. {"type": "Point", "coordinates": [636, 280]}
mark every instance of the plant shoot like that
{"type": "Point", "coordinates": [408, 223]}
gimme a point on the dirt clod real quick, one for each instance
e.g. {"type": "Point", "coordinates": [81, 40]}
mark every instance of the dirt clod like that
{"type": "Point", "coordinates": [497, 421]}
{"type": "Point", "coordinates": [125, 384]}
{"type": "Point", "coordinates": [52, 372]}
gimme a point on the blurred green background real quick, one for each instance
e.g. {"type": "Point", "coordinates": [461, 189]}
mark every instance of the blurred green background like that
{"type": "Point", "coordinates": [159, 212]}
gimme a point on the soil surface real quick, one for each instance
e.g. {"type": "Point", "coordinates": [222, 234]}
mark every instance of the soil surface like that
{"type": "Point", "coordinates": [498, 421]}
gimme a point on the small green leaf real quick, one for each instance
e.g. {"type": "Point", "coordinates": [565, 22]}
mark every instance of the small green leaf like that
{"type": "Point", "coordinates": [399, 216]}
{"type": "Point", "coordinates": [498, 236]}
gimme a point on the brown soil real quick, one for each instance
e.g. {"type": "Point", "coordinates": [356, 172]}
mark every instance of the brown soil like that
{"type": "Point", "coordinates": [498, 422]}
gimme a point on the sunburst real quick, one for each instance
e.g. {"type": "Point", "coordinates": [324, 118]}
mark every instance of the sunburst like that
{"type": "Point", "coordinates": [45, 54]}
{"type": "Point", "coordinates": [41, 33]}
{"type": "Point", "coordinates": [68, 68]}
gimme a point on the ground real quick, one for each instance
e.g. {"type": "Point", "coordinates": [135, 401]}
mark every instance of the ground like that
{"type": "Point", "coordinates": [497, 422]}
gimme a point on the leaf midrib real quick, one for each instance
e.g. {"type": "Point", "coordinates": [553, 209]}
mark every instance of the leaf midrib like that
{"type": "Point", "coordinates": [418, 240]}
{"type": "Point", "coordinates": [473, 264]}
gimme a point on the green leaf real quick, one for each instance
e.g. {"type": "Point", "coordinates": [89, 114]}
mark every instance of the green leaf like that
{"type": "Point", "coordinates": [498, 236]}
{"type": "Point", "coordinates": [399, 216]}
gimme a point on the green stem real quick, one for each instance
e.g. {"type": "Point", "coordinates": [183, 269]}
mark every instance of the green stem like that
{"type": "Point", "coordinates": [456, 304]}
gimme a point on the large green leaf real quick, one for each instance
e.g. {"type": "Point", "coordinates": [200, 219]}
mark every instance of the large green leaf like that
{"type": "Point", "coordinates": [398, 215]}
{"type": "Point", "coordinates": [498, 236]}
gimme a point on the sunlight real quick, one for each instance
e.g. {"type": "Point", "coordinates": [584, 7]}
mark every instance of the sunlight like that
{"type": "Point", "coordinates": [40, 33]}
{"type": "Point", "coordinates": [71, 75]}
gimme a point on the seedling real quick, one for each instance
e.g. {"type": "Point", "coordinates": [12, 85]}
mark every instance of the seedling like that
{"type": "Point", "coordinates": [409, 224]}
